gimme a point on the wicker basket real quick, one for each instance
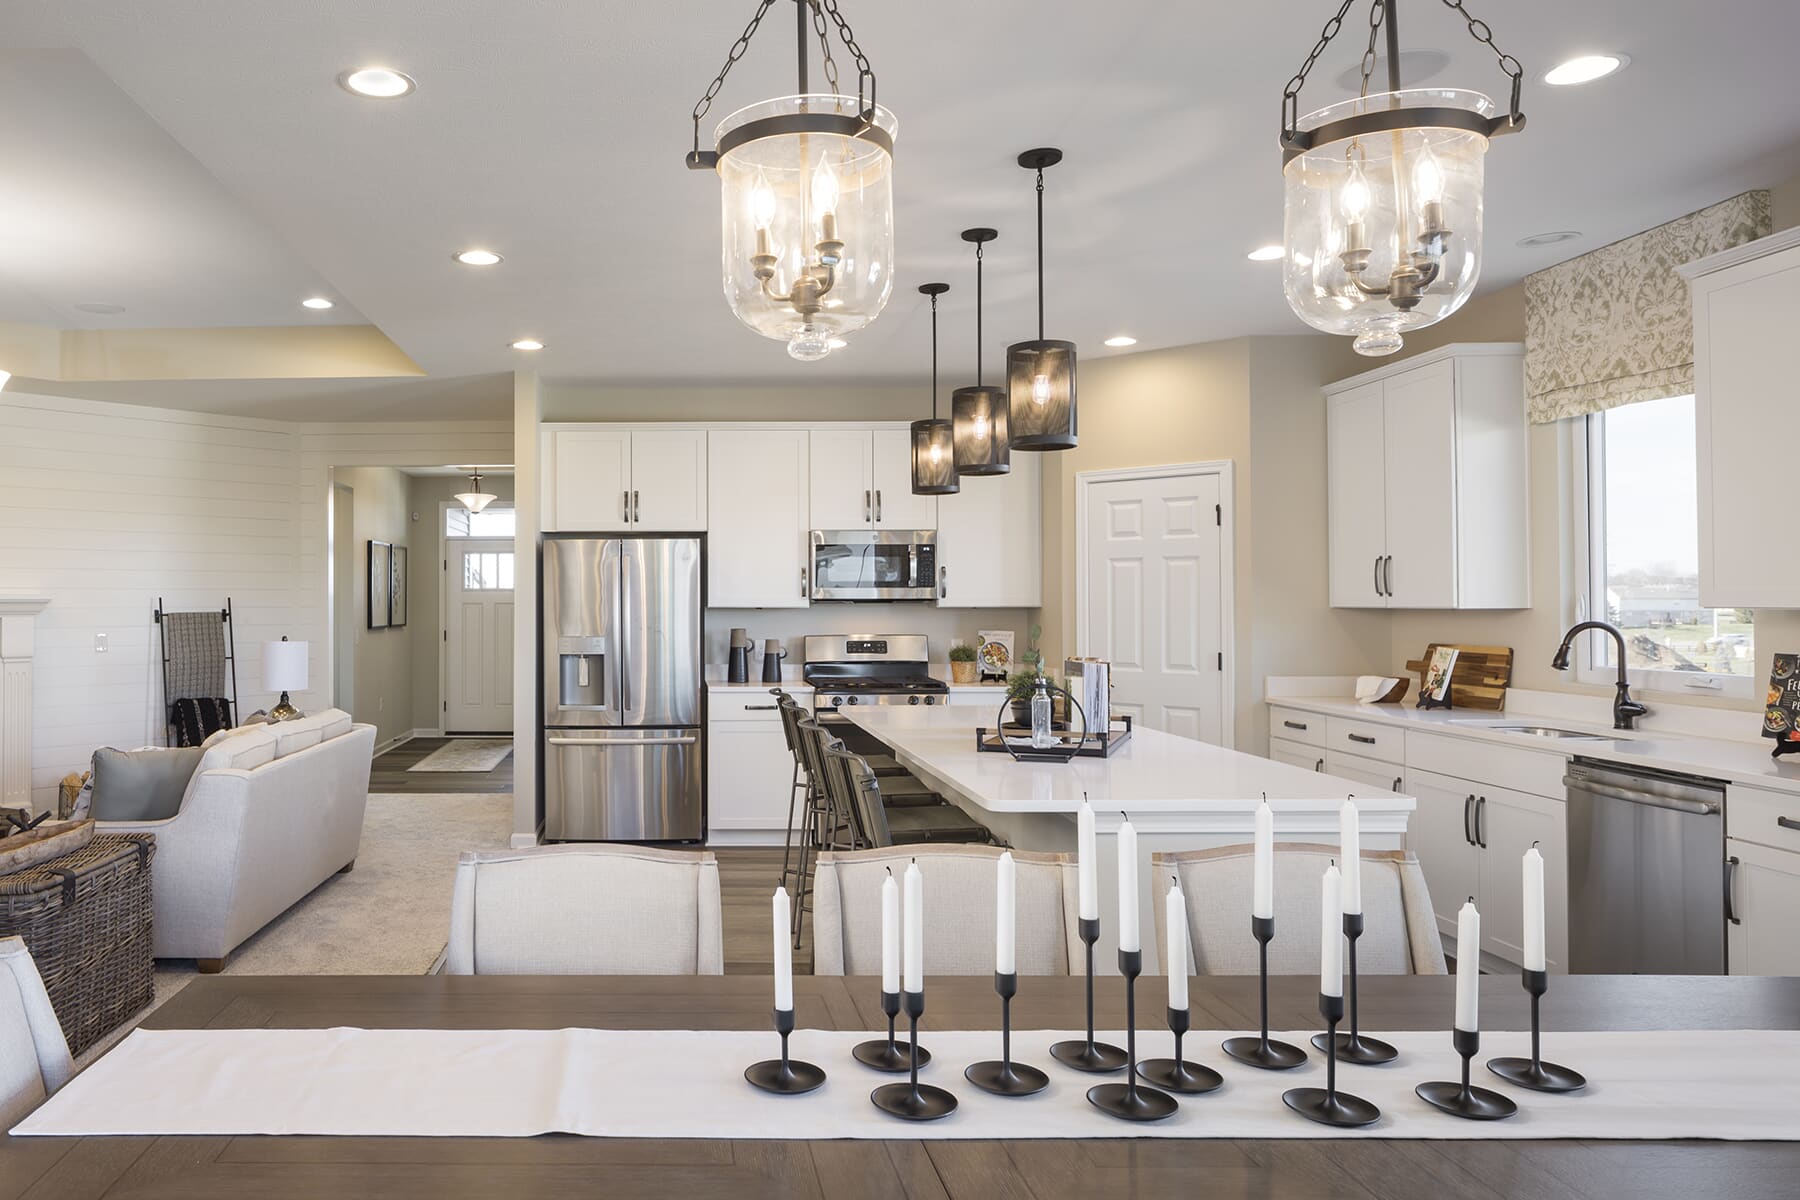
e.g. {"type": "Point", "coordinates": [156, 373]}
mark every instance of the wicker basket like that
{"type": "Point", "coordinates": [85, 917]}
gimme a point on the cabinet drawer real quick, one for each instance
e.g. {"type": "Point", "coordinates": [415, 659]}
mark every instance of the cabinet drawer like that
{"type": "Point", "coordinates": [1373, 772]}
{"type": "Point", "coordinates": [1296, 754]}
{"type": "Point", "coordinates": [1292, 725]}
{"type": "Point", "coordinates": [1365, 739]}
{"type": "Point", "coordinates": [1755, 815]}
{"type": "Point", "coordinates": [744, 706]}
{"type": "Point", "coordinates": [1532, 771]}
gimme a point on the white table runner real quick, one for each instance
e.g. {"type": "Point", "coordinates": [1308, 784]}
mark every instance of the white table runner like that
{"type": "Point", "coordinates": [689, 1084]}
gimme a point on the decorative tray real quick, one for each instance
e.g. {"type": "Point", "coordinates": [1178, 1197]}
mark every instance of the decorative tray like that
{"type": "Point", "coordinates": [988, 741]}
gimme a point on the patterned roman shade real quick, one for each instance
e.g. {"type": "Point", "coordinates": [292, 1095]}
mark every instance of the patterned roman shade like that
{"type": "Point", "coordinates": [1615, 326]}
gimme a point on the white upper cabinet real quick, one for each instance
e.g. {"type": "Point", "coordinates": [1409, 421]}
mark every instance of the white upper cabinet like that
{"type": "Point", "coordinates": [862, 479]}
{"type": "Point", "coordinates": [622, 480]}
{"type": "Point", "coordinates": [895, 505]}
{"type": "Point", "coordinates": [1746, 401]}
{"type": "Point", "coordinates": [757, 545]}
{"type": "Point", "coordinates": [990, 540]}
{"type": "Point", "coordinates": [1428, 482]}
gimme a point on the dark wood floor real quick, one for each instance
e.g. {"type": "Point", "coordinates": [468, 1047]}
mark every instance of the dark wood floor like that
{"type": "Point", "coordinates": [747, 878]}
{"type": "Point", "coordinates": [389, 773]}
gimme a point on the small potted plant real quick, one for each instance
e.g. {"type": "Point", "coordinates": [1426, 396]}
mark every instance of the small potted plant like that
{"type": "Point", "coordinates": [962, 663]}
{"type": "Point", "coordinates": [1022, 683]}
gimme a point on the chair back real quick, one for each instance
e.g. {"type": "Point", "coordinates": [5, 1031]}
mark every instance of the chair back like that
{"type": "Point", "coordinates": [586, 910]}
{"type": "Point", "coordinates": [791, 716]}
{"type": "Point", "coordinates": [856, 792]}
{"type": "Point", "coordinates": [1400, 934]}
{"type": "Point", "coordinates": [959, 910]}
{"type": "Point", "coordinates": [34, 1056]}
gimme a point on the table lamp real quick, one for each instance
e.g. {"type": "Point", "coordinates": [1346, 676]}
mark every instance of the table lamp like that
{"type": "Point", "coordinates": [284, 670]}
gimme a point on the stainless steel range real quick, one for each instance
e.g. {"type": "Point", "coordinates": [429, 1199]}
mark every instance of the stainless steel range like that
{"type": "Point", "coordinates": [865, 668]}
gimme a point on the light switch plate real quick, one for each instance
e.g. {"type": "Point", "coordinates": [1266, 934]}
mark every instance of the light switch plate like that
{"type": "Point", "coordinates": [99, 643]}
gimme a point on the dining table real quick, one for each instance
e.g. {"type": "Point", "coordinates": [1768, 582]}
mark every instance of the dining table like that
{"type": "Point", "coordinates": [1353, 1165]}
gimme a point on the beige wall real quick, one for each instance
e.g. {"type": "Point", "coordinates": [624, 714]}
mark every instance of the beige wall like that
{"type": "Point", "coordinates": [424, 495]}
{"type": "Point", "coordinates": [383, 673]}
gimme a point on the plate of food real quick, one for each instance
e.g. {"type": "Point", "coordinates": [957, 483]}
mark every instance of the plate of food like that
{"type": "Point", "coordinates": [995, 651]}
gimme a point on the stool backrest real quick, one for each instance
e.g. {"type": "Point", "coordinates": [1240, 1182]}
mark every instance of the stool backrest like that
{"type": "Point", "coordinates": [855, 792]}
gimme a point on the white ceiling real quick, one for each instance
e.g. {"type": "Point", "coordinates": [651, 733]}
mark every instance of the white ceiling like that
{"type": "Point", "coordinates": [553, 132]}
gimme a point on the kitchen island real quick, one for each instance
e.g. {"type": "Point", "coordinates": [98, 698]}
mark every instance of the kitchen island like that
{"type": "Point", "coordinates": [1180, 795]}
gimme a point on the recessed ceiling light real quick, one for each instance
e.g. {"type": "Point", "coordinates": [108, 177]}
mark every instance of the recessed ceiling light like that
{"type": "Point", "coordinates": [100, 308]}
{"type": "Point", "coordinates": [377, 83]}
{"type": "Point", "coordinates": [1551, 238]}
{"type": "Point", "coordinates": [1585, 68]}
{"type": "Point", "coordinates": [318, 302]}
{"type": "Point", "coordinates": [528, 344]}
{"type": "Point", "coordinates": [1266, 253]}
{"type": "Point", "coordinates": [476, 258]}
{"type": "Point", "coordinates": [837, 343]}
{"type": "Point", "coordinates": [1121, 340]}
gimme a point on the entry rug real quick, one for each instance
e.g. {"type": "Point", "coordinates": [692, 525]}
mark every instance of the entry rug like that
{"type": "Point", "coordinates": [685, 1084]}
{"type": "Point", "coordinates": [466, 754]}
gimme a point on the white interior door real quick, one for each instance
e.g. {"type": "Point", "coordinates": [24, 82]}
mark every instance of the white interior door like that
{"type": "Point", "coordinates": [1154, 598]}
{"type": "Point", "coordinates": [478, 635]}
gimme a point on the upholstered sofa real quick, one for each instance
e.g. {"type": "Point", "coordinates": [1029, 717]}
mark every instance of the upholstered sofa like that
{"type": "Point", "coordinates": [271, 812]}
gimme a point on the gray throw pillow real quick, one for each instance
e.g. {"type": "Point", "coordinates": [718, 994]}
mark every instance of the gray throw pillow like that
{"type": "Point", "coordinates": [141, 785]}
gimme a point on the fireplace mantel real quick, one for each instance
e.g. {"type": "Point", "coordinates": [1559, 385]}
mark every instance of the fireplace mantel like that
{"type": "Point", "coordinates": [18, 635]}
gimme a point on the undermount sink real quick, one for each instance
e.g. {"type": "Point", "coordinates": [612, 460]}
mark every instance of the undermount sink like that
{"type": "Point", "coordinates": [1547, 731]}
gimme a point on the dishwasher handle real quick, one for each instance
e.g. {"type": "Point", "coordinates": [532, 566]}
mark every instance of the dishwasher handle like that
{"type": "Point", "coordinates": [1612, 791]}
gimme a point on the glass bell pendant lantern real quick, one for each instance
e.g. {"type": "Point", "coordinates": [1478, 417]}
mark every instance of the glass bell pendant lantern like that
{"type": "Point", "coordinates": [1040, 375]}
{"type": "Point", "coordinates": [933, 448]}
{"type": "Point", "coordinates": [978, 413]}
{"type": "Point", "coordinates": [806, 198]}
{"type": "Point", "coordinates": [475, 499]}
{"type": "Point", "coordinates": [1383, 197]}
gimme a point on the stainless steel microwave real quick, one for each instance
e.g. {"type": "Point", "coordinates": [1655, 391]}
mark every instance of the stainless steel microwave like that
{"type": "Point", "coordinates": [874, 564]}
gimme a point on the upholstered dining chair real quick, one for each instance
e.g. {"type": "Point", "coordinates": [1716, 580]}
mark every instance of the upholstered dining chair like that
{"type": "Point", "coordinates": [959, 910]}
{"type": "Point", "coordinates": [1400, 935]}
{"type": "Point", "coordinates": [34, 1057]}
{"type": "Point", "coordinates": [585, 910]}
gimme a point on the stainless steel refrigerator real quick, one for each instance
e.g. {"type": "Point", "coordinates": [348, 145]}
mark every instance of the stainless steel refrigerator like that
{"type": "Point", "coordinates": [620, 638]}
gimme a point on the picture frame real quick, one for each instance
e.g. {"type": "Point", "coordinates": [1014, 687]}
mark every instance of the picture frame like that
{"type": "Point", "coordinates": [1434, 689]}
{"type": "Point", "coordinates": [994, 653]}
{"type": "Point", "coordinates": [397, 588]}
{"type": "Point", "coordinates": [381, 567]}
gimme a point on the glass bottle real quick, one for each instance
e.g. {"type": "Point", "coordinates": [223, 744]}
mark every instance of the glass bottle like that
{"type": "Point", "coordinates": [1042, 736]}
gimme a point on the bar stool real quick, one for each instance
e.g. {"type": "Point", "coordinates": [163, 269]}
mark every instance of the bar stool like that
{"type": "Point", "coordinates": [824, 826]}
{"type": "Point", "coordinates": [791, 716]}
{"type": "Point", "coordinates": [854, 787]}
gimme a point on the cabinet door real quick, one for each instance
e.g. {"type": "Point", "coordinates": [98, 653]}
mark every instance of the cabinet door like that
{"type": "Point", "coordinates": [843, 493]}
{"type": "Point", "coordinates": [1764, 897]}
{"type": "Point", "coordinates": [1356, 512]}
{"type": "Point", "coordinates": [756, 554]}
{"type": "Point", "coordinates": [990, 540]}
{"type": "Point", "coordinates": [1510, 823]}
{"type": "Point", "coordinates": [668, 480]}
{"type": "Point", "coordinates": [750, 776]}
{"type": "Point", "coordinates": [895, 505]}
{"type": "Point", "coordinates": [1296, 754]}
{"type": "Point", "coordinates": [1439, 835]}
{"type": "Point", "coordinates": [1419, 436]}
{"type": "Point", "coordinates": [593, 480]}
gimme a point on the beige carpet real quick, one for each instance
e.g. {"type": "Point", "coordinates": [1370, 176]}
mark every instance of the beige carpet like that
{"type": "Point", "coordinates": [466, 754]}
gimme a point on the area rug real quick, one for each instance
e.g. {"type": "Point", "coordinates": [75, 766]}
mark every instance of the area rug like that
{"type": "Point", "coordinates": [466, 754]}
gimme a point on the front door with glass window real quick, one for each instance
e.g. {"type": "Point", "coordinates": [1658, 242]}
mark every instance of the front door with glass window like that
{"type": "Point", "coordinates": [478, 635]}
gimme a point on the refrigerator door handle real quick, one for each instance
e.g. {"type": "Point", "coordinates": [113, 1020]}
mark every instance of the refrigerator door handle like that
{"type": "Point", "coordinates": [672, 740]}
{"type": "Point", "coordinates": [622, 632]}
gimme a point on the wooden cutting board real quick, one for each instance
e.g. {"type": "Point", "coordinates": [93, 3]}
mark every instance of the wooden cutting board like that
{"type": "Point", "coordinates": [1479, 679]}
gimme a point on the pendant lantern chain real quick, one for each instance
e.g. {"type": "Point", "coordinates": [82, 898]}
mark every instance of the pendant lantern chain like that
{"type": "Point", "coordinates": [831, 74]}
{"type": "Point", "coordinates": [704, 104]}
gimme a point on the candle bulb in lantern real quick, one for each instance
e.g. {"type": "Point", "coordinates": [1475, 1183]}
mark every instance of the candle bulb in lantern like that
{"type": "Point", "coordinates": [1128, 889]}
{"type": "Point", "coordinates": [1005, 900]}
{"type": "Point", "coordinates": [1085, 865]}
{"type": "Point", "coordinates": [784, 953]}
{"type": "Point", "coordinates": [914, 931]}
{"type": "Point", "coordinates": [1176, 952]}
{"type": "Point", "coordinates": [1533, 868]}
{"type": "Point", "coordinates": [1331, 935]}
{"type": "Point", "coordinates": [890, 934]}
{"type": "Point", "coordinates": [1350, 854]}
{"type": "Point", "coordinates": [1262, 887]}
{"type": "Point", "coordinates": [1468, 967]}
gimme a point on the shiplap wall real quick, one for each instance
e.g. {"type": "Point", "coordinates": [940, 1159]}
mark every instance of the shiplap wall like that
{"type": "Point", "coordinates": [105, 507]}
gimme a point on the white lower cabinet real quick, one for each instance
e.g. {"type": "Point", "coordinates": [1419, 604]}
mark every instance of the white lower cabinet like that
{"type": "Point", "coordinates": [1441, 836]}
{"type": "Point", "coordinates": [1763, 899]}
{"type": "Point", "coordinates": [749, 772]}
{"type": "Point", "coordinates": [1377, 774]}
{"type": "Point", "coordinates": [1296, 754]}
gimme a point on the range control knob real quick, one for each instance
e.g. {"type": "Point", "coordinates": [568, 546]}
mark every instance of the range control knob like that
{"type": "Point", "coordinates": [854, 699]}
{"type": "Point", "coordinates": [928, 699]}
{"type": "Point", "coordinates": [912, 699]}
{"type": "Point", "coordinates": [836, 700]}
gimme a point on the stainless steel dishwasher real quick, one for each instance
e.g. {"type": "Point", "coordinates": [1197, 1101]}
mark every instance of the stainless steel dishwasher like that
{"type": "Point", "coordinates": [1646, 871]}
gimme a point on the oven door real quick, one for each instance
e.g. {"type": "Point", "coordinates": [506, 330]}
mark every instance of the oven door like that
{"type": "Point", "coordinates": [867, 564]}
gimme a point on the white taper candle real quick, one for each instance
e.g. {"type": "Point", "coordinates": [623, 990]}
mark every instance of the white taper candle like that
{"type": "Point", "coordinates": [1533, 869]}
{"type": "Point", "coordinates": [1331, 934]}
{"type": "Point", "coordinates": [1085, 864]}
{"type": "Point", "coordinates": [1005, 902]}
{"type": "Point", "coordinates": [890, 934]}
{"type": "Point", "coordinates": [914, 931]}
{"type": "Point", "coordinates": [1468, 968]}
{"type": "Point", "coordinates": [1262, 877]}
{"type": "Point", "coordinates": [1175, 953]}
{"type": "Point", "coordinates": [1350, 855]}
{"type": "Point", "coordinates": [784, 952]}
{"type": "Point", "coordinates": [1128, 889]}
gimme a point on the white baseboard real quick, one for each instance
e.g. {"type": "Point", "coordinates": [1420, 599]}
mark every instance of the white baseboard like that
{"type": "Point", "coordinates": [523, 841]}
{"type": "Point", "coordinates": [746, 837]}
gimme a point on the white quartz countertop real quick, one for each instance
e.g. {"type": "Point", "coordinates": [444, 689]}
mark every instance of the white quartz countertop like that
{"type": "Point", "coordinates": [1153, 773]}
{"type": "Point", "coordinates": [1735, 762]}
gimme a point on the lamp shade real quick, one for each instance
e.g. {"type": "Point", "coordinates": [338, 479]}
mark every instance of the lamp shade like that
{"type": "Point", "coordinates": [933, 459]}
{"type": "Point", "coordinates": [284, 666]}
{"type": "Point", "coordinates": [1040, 379]}
{"type": "Point", "coordinates": [982, 445]}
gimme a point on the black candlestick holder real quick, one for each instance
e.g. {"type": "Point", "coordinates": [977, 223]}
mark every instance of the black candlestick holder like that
{"type": "Point", "coordinates": [1327, 1105]}
{"type": "Point", "coordinates": [914, 1101]}
{"type": "Point", "coordinates": [1006, 1077]}
{"type": "Point", "coordinates": [1463, 1099]}
{"type": "Point", "coordinates": [784, 1076]}
{"type": "Point", "coordinates": [1178, 1074]}
{"type": "Point", "coordinates": [1261, 1051]}
{"type": "Point", "coordinates": [1131, 1101]}
{"type": "Point", "coordinates": [1353, 1046]}
{"type": "Point", "coordinates": [1534, 1072]}
{"type": "Point", "coordinates": [888, 1055]}
{"type": "Point", "coordinates": [1099, 1058]}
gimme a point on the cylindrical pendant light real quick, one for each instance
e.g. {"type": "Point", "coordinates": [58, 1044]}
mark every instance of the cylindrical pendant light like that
{"type": "Point", "coordinates": [1040, 375]}
{"type": "Point", "coordinates": [983, 446]}
{"type": "Point", "coordinates": [933, 449]}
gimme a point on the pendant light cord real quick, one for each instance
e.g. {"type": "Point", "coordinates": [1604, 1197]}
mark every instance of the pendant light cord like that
{"type": "Point", "coordinates": [978, 249]}
{"type": "Point", "coordinates": [1040, 248]}
{"type": "Point", "coordinates": [934, 373]}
